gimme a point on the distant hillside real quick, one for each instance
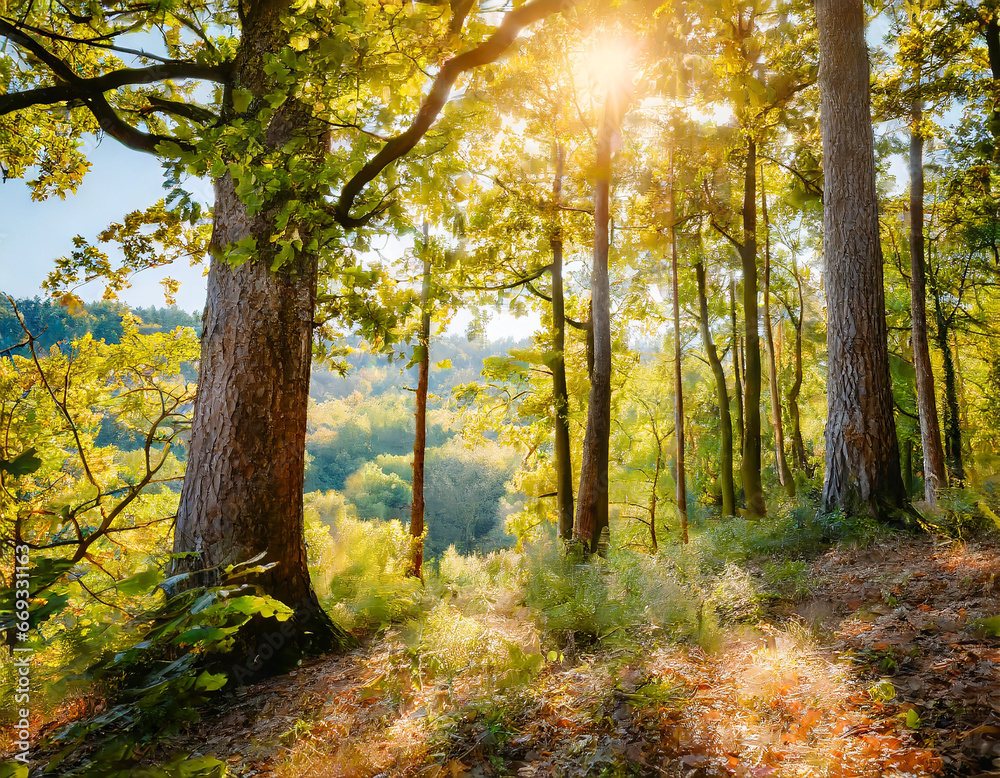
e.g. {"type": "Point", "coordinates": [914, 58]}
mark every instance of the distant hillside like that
{"type": "Point", "coordinates": [53, 323]}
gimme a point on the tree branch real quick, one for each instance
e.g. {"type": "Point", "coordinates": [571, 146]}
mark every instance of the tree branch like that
{"type": "Point", "coordinates": [75, 88]}
{"type": "Point", "coordinates": [193, 112]}
{"type": "Point", "coordinates": [487, 52]}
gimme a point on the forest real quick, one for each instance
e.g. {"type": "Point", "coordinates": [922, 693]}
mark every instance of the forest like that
{"type": "Point", "coordinates": [731, 509]}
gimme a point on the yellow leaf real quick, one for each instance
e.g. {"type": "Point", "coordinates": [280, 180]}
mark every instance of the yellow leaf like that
{"type": "Point", "coordinates": [73, 304]}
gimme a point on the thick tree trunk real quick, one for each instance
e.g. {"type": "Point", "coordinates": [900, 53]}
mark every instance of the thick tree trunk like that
{"type": "Point", "coordinates": [681, 476]}
{"type": "Point", "coordinates": [722, 397]}
{"type": "Point", "coordinates": [991, 32]}
{"type": "Point", "coordinates": [862, 452]}
{"type": "Point", "coordinates": [242, 490]}
{"type": "Point", "coordinates": [753, 489]}
{"type": "Point", "coordinates": [592, 497]}
{"type": "Point", "coordinates": [737, 380]}
{"type": "Point", "coordinates": [798, 447]}
{"type": "Point", "coordinates": [560, 394]}
{"type": "Point", "coordinates": [930, 432]}
{"type": "Point", "coordinates": [420, 439]}
{"type": "Point", "coordinates": [784, 472]}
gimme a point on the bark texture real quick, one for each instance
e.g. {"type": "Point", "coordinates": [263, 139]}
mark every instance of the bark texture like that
{"type": "Point", "coordinates": [753, 488]}
{"type": "Point", "coordinates": [592, 497]}
{"type": "Point", "coordinates": [560, 394]}
{"type": "Point", "coordinates": [781, 461]}
{"type": "Point", "coordinates": [952, 413]}
{"type": "Point", "coordinates": [242, 490]}
{"type": "Point", "coordinates": [420, 415]}
{"type": "Point", "coordinates": [799, 459]}
{"type": "Point", "coordinates": [722, 398]}
{"type": "Point", "coordinates": [737, 380]}
{"type": "Point", "coordinates": [930, 433]}
{"type": "Point", "coordinates": [862, 452]}
{"type": "Point", "coordinates": [680, 475]}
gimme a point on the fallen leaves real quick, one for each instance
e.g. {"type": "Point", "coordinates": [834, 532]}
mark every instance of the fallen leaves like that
{"type": "Point", "coordinates": [792, 698]}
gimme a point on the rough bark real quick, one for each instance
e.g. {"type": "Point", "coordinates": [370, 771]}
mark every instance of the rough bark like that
{"type": "Point", "coordinates": [753, 488]}
{"type": "Point", "coordinates": [930, 432]}
{"type": "Point", "coordinates": [681, 477]}
{"type": "Point", "coordinates": [798, 447]}
{"type": "Point", "coordinates": [560, 394]}
{"type": "Point", "coordinates": [722, 398]}
{"type": "Point", "coordinates": [952, 415]}
{"type": "Point", "coordinates": [737, 380]}
{"type": "Point", "coordinates": [862, 452]}
{"type": "Point", "coordinates": [592, 497]}
{"type": "Point", "coordinates": [242, 490]}
{"type": "Point", "coordinates": [781, 461]}
{"type": "Point", "coordinates": [991, 32]}
{"type": "Point", "coordinates": [420, 438]}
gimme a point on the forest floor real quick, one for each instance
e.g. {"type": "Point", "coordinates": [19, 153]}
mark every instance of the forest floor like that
{"type": "Point", "coordinates": [887, 664]}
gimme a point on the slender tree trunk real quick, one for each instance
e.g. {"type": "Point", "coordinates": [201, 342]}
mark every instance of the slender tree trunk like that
{"type": "Point", "coordinates": [592, 502]}
{"type": "Point", "coordinates": [722, 397]}
{"type": "Point", "coordinates": [420, 439]}
{"type": "Point", "coordinates": [560, 394]}
{"type": "Point", "coordinates": [681, 481]}
{"type": "Point", "coordinates": [930, 432]}
{"type": "Point", "coordinates": [798, 447]}
{"type": "Point", "coordinates": [653, 495]}
{"type": "Point", "coordinates": [750, 468]}
{"type": "Point", "coordinates": [738, 382]}
{"type": "Point", "coordinates": [862, 451]}
{"type": "Point", "coordinates": [963, 418]}
{"type": "Point", "coordinates": [242, 490]}
{"type": "Point", "coordinates": [908, 467]}
{"type": "Point", "coordinates": [952, 426]}
{"type": "Point", "coordinates": [784, 472]}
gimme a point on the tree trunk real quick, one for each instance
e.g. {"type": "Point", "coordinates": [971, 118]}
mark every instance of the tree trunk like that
{"type": "Point", "coordinates": [681, 481]}
{"type": "Point", "coordinates": [738, 383]}
{"type": "Point", "coordinates": [420, 438]}
{"type": "Point", "coordinates": [952, 425]}
{"type": "Point", "coordinates": [930, 432]}
{"type": "Point", "coordinates": [753, 489]}
{"type": "Point", "coordinates": [722, 397]}
{"type": "Point", "coordinates": [991, 32]}
{"type": "Point", "coordinates": [784, 473]}
{"type": "Point", "coordinates": [653, 495]}
{"type": "Point", "coordinates": [592, 500]}
{"type": "Point", "coordinates": [560, 394]}
{"type": "Point", "coordinates": [242, 490]}
{"type": "Point", "coordinates": [908, 467]}
{"type": "Point", "coordinates": [862, 451]}
{"type": "Point", "coordinates": [798, 447]}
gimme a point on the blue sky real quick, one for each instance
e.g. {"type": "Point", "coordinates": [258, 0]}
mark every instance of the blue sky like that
{"type": "Point", "coordinates": [34, 234]}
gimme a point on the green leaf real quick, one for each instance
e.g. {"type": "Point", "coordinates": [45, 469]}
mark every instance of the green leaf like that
{"type": "Point", "coordinates": [241, 100]}
{"type": "Point", "coordinates": [912, 719]}
{"type": "Point", "coordinates": [209, 682]}
{"type": "Point", "coordinates": [140, 583]}
{"type": "Point", "coordinates": [24, 463]}
{"type": "Point", "coordinates": [13, 770]}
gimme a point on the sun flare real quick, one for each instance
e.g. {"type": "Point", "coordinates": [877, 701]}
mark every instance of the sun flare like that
{"type": "Point", "coordinates": [610, 64]}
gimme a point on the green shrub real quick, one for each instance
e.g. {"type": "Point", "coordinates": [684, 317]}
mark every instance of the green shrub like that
{"type": "Point", "coordinates": [361, 566]}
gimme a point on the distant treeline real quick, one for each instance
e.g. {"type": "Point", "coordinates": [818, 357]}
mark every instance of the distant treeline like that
{"type": "Point", "coordinates": [51, 322]}
{"type": "Point", "coordinates": [361, 428]}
